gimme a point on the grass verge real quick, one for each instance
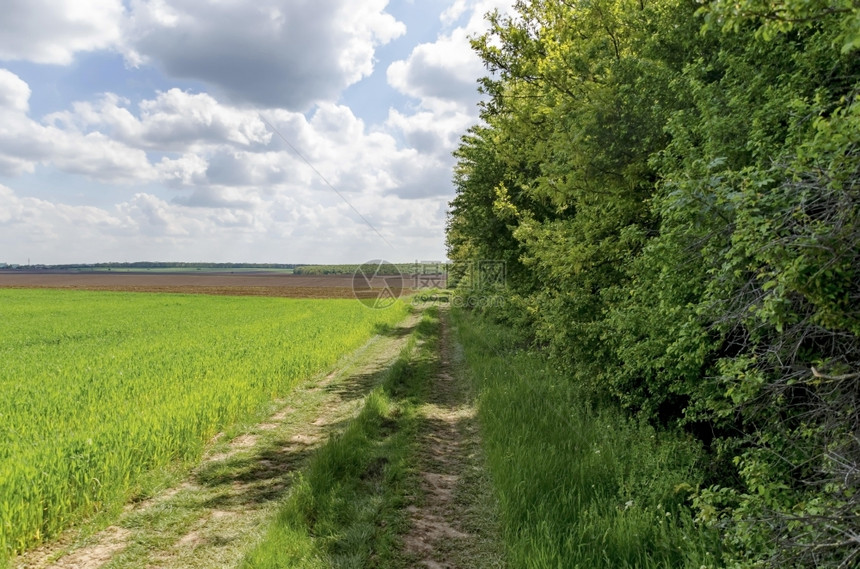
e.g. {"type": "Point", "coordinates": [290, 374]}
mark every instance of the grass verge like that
{"type": "Point", "coordinates": [579, 484]}
{"type": "Point", "coordinates": [347, 508]}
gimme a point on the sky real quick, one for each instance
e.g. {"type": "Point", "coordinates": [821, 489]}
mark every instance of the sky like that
{"type": "Point", "coordinates": [166, 130]}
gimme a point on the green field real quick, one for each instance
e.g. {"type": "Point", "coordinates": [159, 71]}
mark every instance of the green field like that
{"type": "Point", "coordinates": [187, 270]}
{"type": "Point", "coordinates": [383, 269]}
{"type": "Point", "coordinates": [101, 388]}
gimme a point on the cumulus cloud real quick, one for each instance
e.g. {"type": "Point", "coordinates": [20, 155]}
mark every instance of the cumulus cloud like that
{"type": "Point", "coordinates": [442, 76]}
{"type": "Point", "coordinates": [421, 177]}
{"type": "Point", "coordinates": [453, 12]}
{"type": "Point", "coordinates": [38, 224]}
{"type": "Point", "coordinates": [14, 92]}
{"type": "Point", "coordinates": [185, 170]}
{"type": "Point", "coordinates": [431, 133]}
{"type": "Point", "coordinates": [25, 143]}
{"type": "Point", "coordinates": [228, 180]}
{"type": "Point", "coordinates": [110, 141]}
{"type": "Point", "coordinates": [445, 72]}
{"type": "Point", "coordinates": [53, 31]}
{"type": "Point", "coordinates": [285, 228]}
{"type": "Point", "coordinates": [191, 141]}
{"type": "Point", "coordinates": [173, 121]}
{"type": "Point", "coordinates": [95, 156]}
{"type": "Point", "coordinates": [212, 181]}
{"type": "Point", "coordinates": [276, 53]}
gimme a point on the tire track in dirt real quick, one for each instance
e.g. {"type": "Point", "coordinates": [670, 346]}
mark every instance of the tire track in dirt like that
{"type": "Point", "coordinates": [211, 518]}
{"type": "Point", "coordinates": [454, 524]}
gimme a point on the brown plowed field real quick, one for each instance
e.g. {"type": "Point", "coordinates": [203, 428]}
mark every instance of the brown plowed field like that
{"type": "Point", "coordinates": [293, 286]}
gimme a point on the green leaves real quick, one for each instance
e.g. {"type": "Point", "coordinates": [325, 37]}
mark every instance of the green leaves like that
{"type": "Point", "coordinates": [680, 188]}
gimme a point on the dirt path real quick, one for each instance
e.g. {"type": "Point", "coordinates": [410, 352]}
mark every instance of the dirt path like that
{"type": "Point", "coordinates": [221, 509]}
{"type": "Point", "coordinates": [227, 502]}
{"type": "Point", "coordinates": [454, 524]}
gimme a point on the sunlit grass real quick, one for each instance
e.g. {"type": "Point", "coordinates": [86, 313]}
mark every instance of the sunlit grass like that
{"type": "Point", "coordinates": [580, 485]}
{"type": "Point", "coordinates": [347, 508]}
{"type": "Point", "coordinates": [99, 388]}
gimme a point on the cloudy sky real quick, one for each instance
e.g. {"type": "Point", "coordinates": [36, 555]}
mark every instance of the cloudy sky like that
{"type": "Point", "coordinates": [145, 129]}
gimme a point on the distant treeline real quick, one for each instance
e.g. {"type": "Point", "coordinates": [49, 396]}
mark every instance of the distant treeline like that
{"type": "Point", "coordinates": [159, 265]}
{"type": "Point", "coordinates": [385, 269]}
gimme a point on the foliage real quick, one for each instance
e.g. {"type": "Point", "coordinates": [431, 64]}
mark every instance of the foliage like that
{"type": "Point", "coordinates": [676, 186]}
{"type": "Point", "coordinates": [579, 484]}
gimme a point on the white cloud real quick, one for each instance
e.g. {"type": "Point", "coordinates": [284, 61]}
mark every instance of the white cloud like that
{"type": "Point", "coordinates": [286, 228]}
{"type": "Point", "coordinates": [272, 53]}
{"type": "Point", "coordinates": [192, 141]}
{"type": "Point", "coordinates": [14, 92]}
{"type": "Point", "coordinates": [38, 225]}
{"type": "Point", "coordinates": [453, 12]}
{"type": "Point", "coordinates": [212, 181]}
{"type": "Point", "coordinates": [358, 162]}
{"type": "Point", "coordinates": [53, 31]}
{"type": "Point", "coordinates": [446, 71]}
{"type": "Point", "coordinates": [233, 182]}
{"type": "Point", "coordinates": [185, 170]}
{"type": "Point", "coordinates": [95, 156]}
{"type": "Point", "coordinates": [25, 143]}
{"type": "Point", "coordinates": [14, 104]}
{"type": "Point", "coordinates": [174, 121]}
{"type": "Point", "coordinates": [433, 133]}
{"type": "Point", "coordinates": [443, 77]}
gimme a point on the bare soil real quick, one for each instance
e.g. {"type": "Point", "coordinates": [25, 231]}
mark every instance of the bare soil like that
{"type": "Point", "coordinates": [454, 523]}
{"type": "Point", "coordinates": [244, 284]}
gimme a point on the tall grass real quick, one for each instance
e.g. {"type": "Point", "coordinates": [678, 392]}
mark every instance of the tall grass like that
{"type": "Point", "coordinates": [580, 485]}
{"type": "Point", "coordinates": [98, 388]}
{"type": "Point", "coordinates": [347, 508]}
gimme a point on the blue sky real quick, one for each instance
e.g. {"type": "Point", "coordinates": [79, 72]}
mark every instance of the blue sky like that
{"type": "Point", "coordinates": [138, 130]}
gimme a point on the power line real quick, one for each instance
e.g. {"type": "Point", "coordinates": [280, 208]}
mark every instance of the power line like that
{"type": "Point", "coordinates": [323, 178]}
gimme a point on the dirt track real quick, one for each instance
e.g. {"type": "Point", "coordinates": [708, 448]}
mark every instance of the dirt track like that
{"type": "Point", "coordinates": [213, 516]}
{"type": "Point", "coordinates": [454, 525]}
{"type": "Point", "coordinates": [294, 286]}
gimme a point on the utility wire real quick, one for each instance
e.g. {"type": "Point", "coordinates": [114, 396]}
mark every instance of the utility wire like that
{"type": "Point", "coordinates": [323, 178]}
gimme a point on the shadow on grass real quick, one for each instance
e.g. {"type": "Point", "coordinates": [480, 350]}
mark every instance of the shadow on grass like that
{"type": "Point", "coordinates": [389, 331]}
{"type": "Point", "coordinates": [359, 385]}
{"type": "Point", "coordinates": [349, 507]}
{"type": "Point", "coordinates": [257, 479]}
{"type": "Point", "coordinates": [266, 474]}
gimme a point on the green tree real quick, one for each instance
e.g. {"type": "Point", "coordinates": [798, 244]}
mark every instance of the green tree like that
{"type": "Point", "coordinates": [676, 187]}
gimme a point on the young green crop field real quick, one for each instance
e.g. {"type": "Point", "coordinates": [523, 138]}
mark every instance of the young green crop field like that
{"type": "Point", "coordinates": [100, 388]}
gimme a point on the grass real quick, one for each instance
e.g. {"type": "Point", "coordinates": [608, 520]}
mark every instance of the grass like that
{"type": "Point", "coordinates": [346, 510]}
{"type": "Point", "coordinates": [579, 484]}
{"type": "Point", "coordinates": [575, 482]}
{"type": "Point", "coordinates": [102, 388]}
